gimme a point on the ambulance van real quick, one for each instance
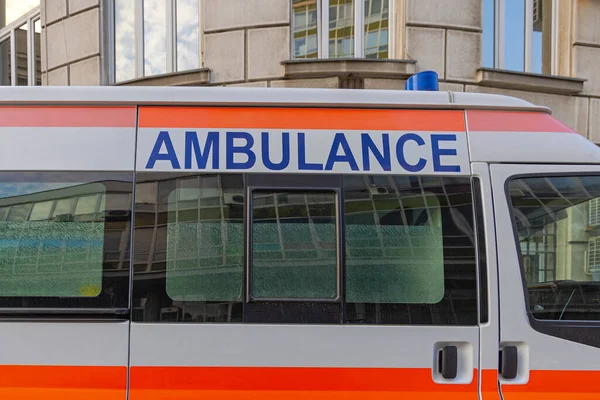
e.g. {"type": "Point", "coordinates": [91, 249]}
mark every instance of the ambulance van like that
{"type": "Point", "coordinates": [268, 244]}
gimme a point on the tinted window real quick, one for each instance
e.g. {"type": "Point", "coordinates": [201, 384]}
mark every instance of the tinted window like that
{"type": "Point", "coordinates": [410, 255]}
{"type": "Point", "coordinates": [557, 222]}
{"type": "Point", "coordinates": [294, 245]}
{"type": "Point", "coordinates": [55, 240]}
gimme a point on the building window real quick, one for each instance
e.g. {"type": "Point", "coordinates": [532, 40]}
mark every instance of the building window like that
{"type": "Point", "coordinates": [520, 35]}
{"type": "Point", "coordinates": [20, 51]}
{"type": "Point", "coordinates": [341, 28]}
{"type": "Point", "coordinates": [153, 37]}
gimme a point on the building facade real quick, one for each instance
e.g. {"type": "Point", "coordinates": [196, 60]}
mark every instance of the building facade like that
{"type": "Point", "coordinates": [544, 51]}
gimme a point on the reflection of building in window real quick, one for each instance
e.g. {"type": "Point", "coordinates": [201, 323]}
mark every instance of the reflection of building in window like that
{"type": "Point", "coordinates": [352, 28]}
{"type": "Point", "coordinates": [520, 35]}
{"type": "Point", "coordinates": [155, 37]}
{"type": "Point", "coordinates": [20, 52]}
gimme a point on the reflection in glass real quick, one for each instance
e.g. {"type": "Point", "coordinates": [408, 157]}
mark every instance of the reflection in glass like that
{"type": "Point", "coordinates": [305, 28]}
{"type": "Point", "coordinates": [155, 37]}
{"type": "Point", "coordinates": [187, 35]}
{"type": "Point", "coordinates": [558, 225]}
{"type": "Point", "coordinates": [514, 44]}
{"type": "Point", "coordinates": [541, 40]}
{"type": "Point", "coordinates": [21, 53]}
{"type": "Point", "coordinates": [44, 251]}
{"type": "Point", "coordinates": [376, 28]}
{"type": "Point", "coordinates": [124, 40]}
{"type": "Point", "coordinates": [488, 33]}
{"type": "Point", "coordinates": [294, 246]}
{"type": "Point", "coordinates": [341, 28]}
{"type": "Point", "coordinates": [5, 63]}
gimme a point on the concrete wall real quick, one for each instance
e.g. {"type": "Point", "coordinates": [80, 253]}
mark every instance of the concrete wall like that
{"type": "Point", "coordinates": [70, 42]}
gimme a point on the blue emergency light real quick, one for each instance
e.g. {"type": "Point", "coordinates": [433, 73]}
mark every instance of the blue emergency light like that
{"type": "Point", "coordinates": [424, 80]}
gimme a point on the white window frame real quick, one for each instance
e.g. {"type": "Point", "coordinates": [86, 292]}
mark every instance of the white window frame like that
{"type": "Point", "coordinates": [8, 32]}
{"type": "Point", "coordinates": [359, 29]}
{"type": "Point", "coordinates": [499, 32]}
{"type": "Point", "coordinates": [171, 37]}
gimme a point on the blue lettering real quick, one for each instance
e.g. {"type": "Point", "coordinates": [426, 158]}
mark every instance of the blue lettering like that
{"type": "Point", "coordinates": [400, 152]}
{"type": "Point", "coordinates": [302, 164]}
{"type": "Point", "coordinates": [163, 138]}
{"type": "Point", "coordinates": [346, 156]}
{"type": "Point", "coordinates": [245, 149]}
{"type": "Point", "coordinates": [192, 145]}
{"type": "Point", "coordinates": [285, 160]}
{"type": "Point", "coordinates": [437, 153]}
{"type": "Point", "coordinates": [368, 144]}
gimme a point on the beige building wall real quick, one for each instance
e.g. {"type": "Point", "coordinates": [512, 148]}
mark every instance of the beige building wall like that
{"type": "Point", "coordinates": [247, 43]}
{"type": "Point", "coordinates": [70, 42]}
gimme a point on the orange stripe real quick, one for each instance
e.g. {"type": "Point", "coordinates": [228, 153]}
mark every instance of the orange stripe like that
{"type": "Point", "coordinates": [514, 121]}
{"type": "Point", "coordinates": [294, 395]}
{"type": "Point", "coordinates": [290, 379]}
{"type": "Point", "coordinates": [489, 385]}
{"type": "Point", "coordinates": [61, 394]}
{"type": "Point", "coordinates": [17, 377]}
{"type": "Point", "coordinates": [300, 118]}
{"type": "Point", "coordinates": [571, 382]}
{"type": "Point", "coordinates": [68, 116]}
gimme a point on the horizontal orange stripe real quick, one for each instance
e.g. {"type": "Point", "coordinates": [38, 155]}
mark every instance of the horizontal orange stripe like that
{"type": "Point", "coordinates": [514, 121]}
{"type": "Point", "coordinates": [293, 395]}
{"type": "Point", "coordinates": [489, 385]}
{"type": "Point", "coordinates": [290, 379]}
{"type": "Point", "coordinates": [68, 117]}
{"type": "Point", "coordinates": [300, 118]}
{"type": "Point", "coordinates": [62, 394]}
{"type": "Point", "coordinates": [64, 377]}
{"type": "Point", "coordinates": [558, 382]}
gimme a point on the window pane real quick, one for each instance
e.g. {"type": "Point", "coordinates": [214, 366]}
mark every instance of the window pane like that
{"type": "Point", "coordinates": [410, 256]}
{"type": "Point", "coordinates": [187, 35]}
{"type": "Point", "coordinates": [21, 52]}
{"type": "Point", "coordinates": [541, 45]}
{"type": "Point", "coordinates": [49, 255]}
{"type": "Point", "coordinates": [124, 40]}
{"type": "Point", "coordinates": [557, 221]}
{"type": "Point", "coordinates": [514, 44]}
{"type": "Point", "coordinates": [5, 63]}
{"type": "Point", "coordinates": [155, 37]}
{"type": "Point", "coordinates": [341, 28]}
{"type": "Point", "coordinates": [488, 33]}
{"type": "Point", "coordinates": [205, 244]}
{"type": "Point", "coordinates": [15, 9]}
{"type": "Point", "coordinates": [305, 28]}
{"type": "Point", "coordinates": [37, 27]}
{"type": "Point", "coordinates": [376, 28]}
{"type": "Point", "coordinates": [294, 245]}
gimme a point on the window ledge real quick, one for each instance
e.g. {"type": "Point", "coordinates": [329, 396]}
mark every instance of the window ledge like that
{"type": "Point", "coordinates": [195, 77]}
{"type": "Point", "coordinates": [349, 67]}
{"type": "Point", "coordinates": [504, 79]}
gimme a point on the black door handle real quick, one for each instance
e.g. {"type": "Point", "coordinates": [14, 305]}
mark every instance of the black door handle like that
{"type": "Point", "coordinates": [448, 362]}
{"type": "Point", "coordinates": [509, 362]}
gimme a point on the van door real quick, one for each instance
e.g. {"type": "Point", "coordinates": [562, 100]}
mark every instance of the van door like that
{"type": "Point", "coordinates": [547, 224]}
{"type": "Point", "coordinates": [297, 284]}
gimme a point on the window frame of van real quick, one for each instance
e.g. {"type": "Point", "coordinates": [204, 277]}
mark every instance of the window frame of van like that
{"type": "Point", "coordinates": [496, 35]}
{"type": "Point", "coordinates": [579, 331]}
{"type": "Point", "coordinates": [109, 36]}
{"type": "Point", "coordinates": [322, 33]}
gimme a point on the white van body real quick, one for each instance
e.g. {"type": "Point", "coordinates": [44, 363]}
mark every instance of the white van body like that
{"type": "Point", "coordinates": [295, 243]}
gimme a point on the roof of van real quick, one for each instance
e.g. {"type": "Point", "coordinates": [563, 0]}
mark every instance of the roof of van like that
{"type": "Point", "coordinates": [262, 97]}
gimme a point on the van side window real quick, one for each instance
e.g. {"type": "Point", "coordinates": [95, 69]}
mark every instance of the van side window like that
{"type": "Point", "coordinates": [355, 249]}
{"type": "Point", "coordinates": [64, 240]}
{"type": "Point", "coordinates": [557, 222]}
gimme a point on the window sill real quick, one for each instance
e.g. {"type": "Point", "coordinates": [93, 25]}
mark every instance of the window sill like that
{"type": "Point", "coordinates": [504, 79]}
{"type": "Point", "coordinates": [196, 77]}
{"type": "Point", "coordinates": [349, 67]}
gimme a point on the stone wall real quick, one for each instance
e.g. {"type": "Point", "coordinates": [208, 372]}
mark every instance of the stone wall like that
{"type": "Point", "coordinates": [70, 42]}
